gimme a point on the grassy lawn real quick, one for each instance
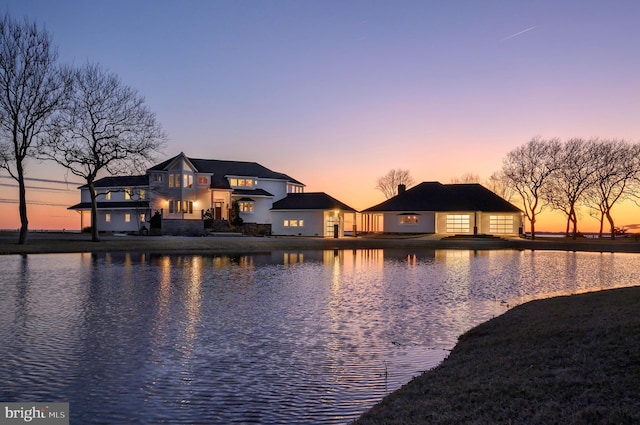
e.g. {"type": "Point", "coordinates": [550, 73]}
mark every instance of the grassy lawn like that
{"type": "Point", "coordinates": [565, 360]}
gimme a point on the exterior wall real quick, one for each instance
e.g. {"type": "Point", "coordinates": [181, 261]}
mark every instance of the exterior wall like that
{"type": "Point", "coordinates": [313, 223]}
{"type": "Point", "coordinates": [118, 221]}
{"type": "Point", "coordinates": [426, 223]}
{"type": "Point", "coordinates": [188, 191]}
{"type": "Point", "coordinates": [261, 210]}
{"type": "Point", "coordinates": [278, 188]}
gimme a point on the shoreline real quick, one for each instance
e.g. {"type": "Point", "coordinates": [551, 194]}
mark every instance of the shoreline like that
{"type": "Point", "coordinates": [66, 242]}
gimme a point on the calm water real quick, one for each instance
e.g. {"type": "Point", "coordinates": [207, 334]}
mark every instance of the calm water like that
{"type": "Point", "coordinates": [281, 338]}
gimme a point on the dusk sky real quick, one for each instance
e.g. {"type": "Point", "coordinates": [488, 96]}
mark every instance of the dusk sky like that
{"type": "Point", "coordinates": [336, 93]}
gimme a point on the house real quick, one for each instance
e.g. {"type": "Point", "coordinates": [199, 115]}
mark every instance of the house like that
{"type": "Point", "coordinates": [182, 189]}
{"type": "Point", "coordinates": [123, 203]}
{"type": "Point", "coordinates": [433, 207]}
{"type": "Point", "coordinates": [309, 214]}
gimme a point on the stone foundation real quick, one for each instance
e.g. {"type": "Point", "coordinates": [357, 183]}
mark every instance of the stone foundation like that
{"type": "Point", "coordinates": [183, 227]}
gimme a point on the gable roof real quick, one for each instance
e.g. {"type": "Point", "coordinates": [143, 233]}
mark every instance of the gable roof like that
{"type": "Point", "coordinates": [221, 168]}
{"type": "Point", "coordinates": [121, 181]}
{"type": "Point", "coordinates": [435, 196]}
{"type": "Point", "coordinates": [310, 201]}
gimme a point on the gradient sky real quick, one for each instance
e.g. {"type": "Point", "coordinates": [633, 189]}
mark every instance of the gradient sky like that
{"type": "Point", "coordinates": [336, 93]}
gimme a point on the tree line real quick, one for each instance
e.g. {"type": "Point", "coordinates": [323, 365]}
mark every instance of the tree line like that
{"type": "Point", "coordinates": [594, 174]}
{"type": "Point", "coordinates": [83, 118]}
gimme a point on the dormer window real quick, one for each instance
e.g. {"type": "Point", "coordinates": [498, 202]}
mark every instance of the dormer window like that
{"type": "Point", "coordinates": [234, 182]}
{"type": "Point", "coordinates": [203, 180]}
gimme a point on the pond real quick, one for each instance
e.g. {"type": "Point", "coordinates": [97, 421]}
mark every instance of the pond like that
{"type": "Point", "coordinates": [277, 338]}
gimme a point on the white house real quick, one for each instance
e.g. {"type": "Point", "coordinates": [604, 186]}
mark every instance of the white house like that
{"type": "Point", "coordinates": [309, 214]}
{"type": "Point", "coordinates": [123, 203]}
{"type": "Point", "coordinates": [433, 207]}
{"type": "Point", "coordinates": [183, 188]}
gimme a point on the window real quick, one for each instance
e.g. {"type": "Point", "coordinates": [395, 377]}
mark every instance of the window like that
{"type": "Point", "coordinates": [127, 194]}
{"type": "Point", "coordinates": [107, 218]}
{"type": "Point", "coordinates": [203, 180]}
{"type": "Point", "coordinates": [246, 206]}
{"type": "Point", "coordinates": [141, 194]}
{"type": "Point", "coordinates": [177, 180]}
{"type": "Point", "coordinates": [501, 224]}
{"type": "Point", "coordinates": [107, 196]}
{"type": "Point", "coordinates": [458, 223]}
{"type": "Point", "coordinates": [170, 180]}
{"type": "Point", "coordinates": [142, 218]}
{"type": "Point", "coordinates": [234, 182]}
{"type": "Point", "coordinates": [187, 207]}
{"type": "Point", "coordinates": [293, 223]}
{"type": "Point", "coordinates": [188, 180]}
{"type": "Point", "coordinates": [286, 223]}
{"type": "Point", "coordinates": [294, 188]}
{"type": "Point", "coordinates": [174, 206]}
{"type": "Point", "coordinates": [127, 218]}
{"type": "Point", "coordinates": [408, 219]}
{"type": "Point", "coordinates": [157, 178]}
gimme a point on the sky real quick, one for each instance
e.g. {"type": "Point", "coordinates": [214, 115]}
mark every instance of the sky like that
{"type": "Point", "coordinates": [337, 93]}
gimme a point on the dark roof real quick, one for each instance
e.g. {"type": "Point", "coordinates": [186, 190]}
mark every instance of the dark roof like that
{"type": "Point", "coordinates": [310, 201]}
{"type": "Point", "coordinates": [435, 196]}
{"type": "Point", "coordinates": [220, 169]}
{"type": "Point", "coordinates": [251, 192]}
{"type": "Point", "coordinates": [121, 181]}
{"type": "Point", "coordinates": [111, 205]}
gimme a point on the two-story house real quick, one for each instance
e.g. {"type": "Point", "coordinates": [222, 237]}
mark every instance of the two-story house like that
{"type": "Point", "coordinates": [123, 203]}
{"type": "Point", "coordinates": [184, 188]}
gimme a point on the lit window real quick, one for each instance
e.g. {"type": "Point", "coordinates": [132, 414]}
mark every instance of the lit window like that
{"type": "Point", "coordinates": [141, 194]}
{"type": "Point", "coordinates": [107, 218]}
{"type": "Point", "coordinates": [458, 223]}
{"type": "Point", "coordinates": [127, 218]}
{"type": "Point", "coordinates": [293, 223]}
{"type": "Point", "coordinates": [245, 206]}
{"type": "Point", "coordinates": [142, 217]}
{"type": "Point", "coordinates": [501, 224]}
{"type": "Point", "coordinates": [286, 223]}
{"type": "Point", "coordinates": [170, 180]}
{"type": "Point", "coordinates": [203, 180]}
{"type": "Point", "coordinates": [233, 182]}
{"type": "Point", "coordinates": [127, 194]}
{"type": "Point", "coordinates": [107, 196]}
{"type": "Point", "coordinates": [177, 180]}
{"type": "Point", "coordinates": [188, 180]}
{"type": "Point", "coordinates": [408, 219]}
{"type": "Point", "coordinates": [301, 223]}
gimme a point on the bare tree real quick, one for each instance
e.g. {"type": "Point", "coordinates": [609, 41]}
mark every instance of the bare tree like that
{"type": "Point", "coordinates": [388, 184]}
{"type": "Point", "coordinates": [498, 185]}
{"type": "Point", "coordinates": [466, 178]}
{"type": "Point", "coordinates": [577, 163]}
{"type": "Point", "coordinates": [106, 127]}
{"type": "Point", "coordinates": [527, 170]}
{"type": "Point", "coordinates": [32, 87]}
{"type": "Point", "coordinates": [616, 163]}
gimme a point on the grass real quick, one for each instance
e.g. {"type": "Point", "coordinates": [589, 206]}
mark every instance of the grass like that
{"type": "Point", "coordinates": [565, 360]}
{"type": "Point", "coordinates": [45, 242]}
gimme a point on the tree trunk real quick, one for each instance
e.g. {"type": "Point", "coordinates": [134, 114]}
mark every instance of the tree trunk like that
{"type": "Point", "coordinates": [610, 219]}
{"type": "Point", "coordinates": [24, 221]}
{"type": "Point", "coordinates": [574, 220]}
{"type": "Point", "coordinates": [533, 226]}
{"type": "Point", "coordinates": [94, 213]}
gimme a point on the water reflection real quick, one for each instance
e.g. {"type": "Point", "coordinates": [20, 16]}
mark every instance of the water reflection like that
{"type": "Point", "coordinates": [279, 337]}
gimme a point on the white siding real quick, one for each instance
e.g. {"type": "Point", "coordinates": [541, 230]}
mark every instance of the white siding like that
{"type": "Point", "coordinates": [425, 224]}
{"type": "Point", "coordinates": [313, 223]}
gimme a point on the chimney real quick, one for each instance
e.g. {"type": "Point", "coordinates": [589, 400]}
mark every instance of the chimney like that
{"type": "Point", "coordinates": [401, 188]}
